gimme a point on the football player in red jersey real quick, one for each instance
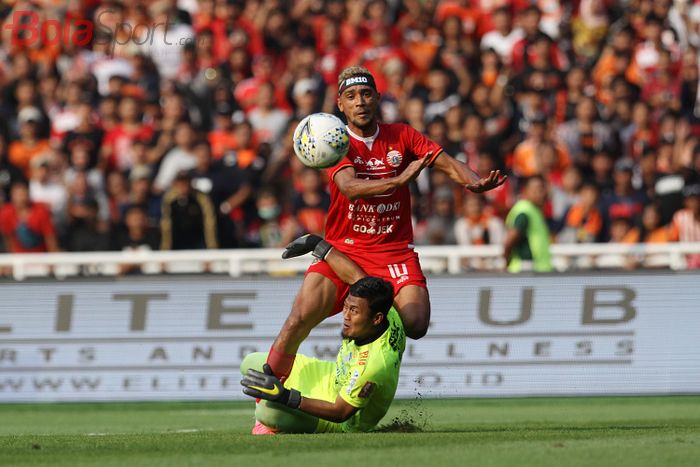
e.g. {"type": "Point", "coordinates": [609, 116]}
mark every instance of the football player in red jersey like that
{"type": "Point", "coordinates": [369, 219]}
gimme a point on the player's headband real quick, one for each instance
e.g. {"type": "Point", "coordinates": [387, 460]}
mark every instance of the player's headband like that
{"type": "Point", "coordinates": [355, 80]}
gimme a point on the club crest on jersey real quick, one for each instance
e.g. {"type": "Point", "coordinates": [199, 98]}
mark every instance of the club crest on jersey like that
{"type": "Point", "coordinates": [394, 158]}
{"type": "Point", "coordinates": [375, 163]}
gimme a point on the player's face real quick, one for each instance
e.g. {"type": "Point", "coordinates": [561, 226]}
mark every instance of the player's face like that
{"type": "Point", "coordinates": [358, 323]}
{"type": "Point", "coordinates": [359, 104]}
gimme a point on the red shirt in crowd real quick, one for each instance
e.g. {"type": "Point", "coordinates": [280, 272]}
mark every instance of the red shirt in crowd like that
{"type": "Point", "coordinates": [27, 236]}
{"type": "Point", "coordinates": [120, 140]}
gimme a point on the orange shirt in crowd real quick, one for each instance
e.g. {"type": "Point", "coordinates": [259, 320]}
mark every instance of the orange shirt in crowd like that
{"type": "Point", "coordinates": [660, 235]}
{"type": "Point", "coordinates": [21, 154]}
{"type": "Point", "coordinates": [526, 162]}
{"type": "Point", "coordinates": [245, 157]}
{"type": "Point", "coordinates": [312, 219]}
{"type": "Point", "coordinates": [470, 16]}
{"type": "Point", "coordinates": [591, 221]}
{"type": "Point", "coordinates": [220, 142]}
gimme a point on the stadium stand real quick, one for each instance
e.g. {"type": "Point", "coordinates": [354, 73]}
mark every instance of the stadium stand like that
{"type": "Point", "coordinates": [105, 109]}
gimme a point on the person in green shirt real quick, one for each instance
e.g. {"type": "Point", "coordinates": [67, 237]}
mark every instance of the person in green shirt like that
{"type": "Point", "coordinates": [527, 240]}
{"type": "Point", "coordinates": [351, 394]}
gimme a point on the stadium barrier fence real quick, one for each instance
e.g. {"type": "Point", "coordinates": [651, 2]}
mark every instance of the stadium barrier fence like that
{"type": "Point", "coordinates": [451, 259]}
{"type": "Point", "coordinates": [182, 337]}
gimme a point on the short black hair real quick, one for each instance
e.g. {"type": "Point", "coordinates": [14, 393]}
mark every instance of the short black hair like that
{"type": "Point", "coordinates": [135, 207]}
{"type": "Point", "coordinates": [378, 292]}
{"type": "Point", "coordinates": [592, 184]}
{"type": "Point", "coordinates": [531, 9]}
{"type": "Point", "coordinates": [532, 178]}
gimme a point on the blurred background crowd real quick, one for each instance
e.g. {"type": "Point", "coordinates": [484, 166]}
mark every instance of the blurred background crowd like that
{"type": "Point", "coordinates": [179, 137]}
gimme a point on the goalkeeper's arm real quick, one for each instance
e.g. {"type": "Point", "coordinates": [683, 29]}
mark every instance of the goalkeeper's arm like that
{"type": "Point", "coordinates": [337, 412]}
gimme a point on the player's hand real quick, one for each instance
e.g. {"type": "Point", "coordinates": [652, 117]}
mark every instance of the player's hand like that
{"type": "Point", "coordinates": [307, 243]}
{"type": "Point", "coordinates": [488, 183]}
{"type": "Point", "coordinates": [267, 386]}
{"type": "Point", "coordinates": [415, 167]}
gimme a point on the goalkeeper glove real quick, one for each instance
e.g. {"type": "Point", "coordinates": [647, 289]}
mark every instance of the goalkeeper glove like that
{"type": "Point", "coordinates": [267, 386]}
{"type": "Point", "coordinates": [307, 243]}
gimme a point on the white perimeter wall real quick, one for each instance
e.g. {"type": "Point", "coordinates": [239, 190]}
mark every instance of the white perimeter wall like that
{"type": "Point", "coordinates": [183, 338]}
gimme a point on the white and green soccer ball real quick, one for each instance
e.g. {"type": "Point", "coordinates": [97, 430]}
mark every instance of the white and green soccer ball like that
{"type": "Point", "coordinates": [321, 140]}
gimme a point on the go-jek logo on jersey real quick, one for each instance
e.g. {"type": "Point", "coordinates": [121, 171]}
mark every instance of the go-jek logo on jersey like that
{"type": "Point", "coordinates": [375, 164]}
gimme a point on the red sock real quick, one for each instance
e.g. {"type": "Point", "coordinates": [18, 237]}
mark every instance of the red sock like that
{"type": "Point", "coordinates": [281, 363]}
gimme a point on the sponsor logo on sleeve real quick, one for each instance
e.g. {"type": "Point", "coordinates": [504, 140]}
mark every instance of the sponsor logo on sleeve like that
{"type": "Point", "coordinates": [353, 380]}
{"type": "Point", "coordinates": [367, 390]}
{"type": "Point", "coordinates": [363, 358]}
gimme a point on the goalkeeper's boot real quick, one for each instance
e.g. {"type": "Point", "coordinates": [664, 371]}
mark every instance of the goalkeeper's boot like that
{"type": "Point", "coordinates": [260, 429]}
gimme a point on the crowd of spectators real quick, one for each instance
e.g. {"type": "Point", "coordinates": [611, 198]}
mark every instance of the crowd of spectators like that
{"type": "Point", "coordinates": [178, 137]}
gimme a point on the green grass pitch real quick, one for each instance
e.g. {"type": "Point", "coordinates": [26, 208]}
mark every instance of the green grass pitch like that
{"type": "Point", "coordinates": [611, 431]}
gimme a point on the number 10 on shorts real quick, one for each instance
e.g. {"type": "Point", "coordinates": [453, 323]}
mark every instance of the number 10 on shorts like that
{"type": "Point", "coordinates": [397, 270]}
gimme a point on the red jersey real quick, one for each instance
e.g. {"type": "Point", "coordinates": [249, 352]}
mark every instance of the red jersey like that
{"type": "Point", "coordinates": [383, 222]}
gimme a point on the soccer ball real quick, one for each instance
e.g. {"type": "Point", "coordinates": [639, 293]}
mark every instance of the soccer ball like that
{"type": "Point", "coordinates": [321, 140]}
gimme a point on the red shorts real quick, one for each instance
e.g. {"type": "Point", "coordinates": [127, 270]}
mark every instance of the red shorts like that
{"type": "Point", "coordinates": [401, 268]}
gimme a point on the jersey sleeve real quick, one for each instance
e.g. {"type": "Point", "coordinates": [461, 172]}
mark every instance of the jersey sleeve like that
{"type": "Point", "coordinates": [420, 145]}
{"type": "Point", "coordinates": [362, 383]}
{"type": "Point", "coordinates": [343, 164]}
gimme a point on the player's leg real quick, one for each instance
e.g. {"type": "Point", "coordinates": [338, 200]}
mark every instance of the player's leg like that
{"type": "Point", "coordinates": [281, 418]}
{"type": "Point", "coordinates": [413, 304]}
{"type": "Point", "coordinates": [403, 270]}
{"type": "Point", "coordinates": [254, 360]}
{"type": "Point", "coordinates": [314, 302]}
{"type": "Point", "coordinates": [345, 268]}
{"type": "Point", "coordinates": [312, 377]}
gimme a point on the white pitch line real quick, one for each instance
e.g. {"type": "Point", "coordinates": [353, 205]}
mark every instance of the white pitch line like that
{"type": "Point", "coordinates": [167, 432]}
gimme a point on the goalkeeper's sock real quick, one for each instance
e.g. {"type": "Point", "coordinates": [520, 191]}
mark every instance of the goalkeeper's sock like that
{"type": "Point", "coordinates": [281, 363]}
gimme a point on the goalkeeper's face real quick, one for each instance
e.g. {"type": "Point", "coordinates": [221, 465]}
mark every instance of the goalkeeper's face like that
{"type": "Point", "coordinates": [358, 321]}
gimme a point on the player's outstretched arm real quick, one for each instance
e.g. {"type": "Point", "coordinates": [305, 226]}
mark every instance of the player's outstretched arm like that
{"type": "Point", "coordinates": [348, 271]}
{"type": "Point", "coordinates": [462, 174]}
{"type": "Point", "coordinates": [355, 188]}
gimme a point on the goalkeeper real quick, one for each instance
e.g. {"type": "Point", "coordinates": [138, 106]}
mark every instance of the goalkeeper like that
{"type": "Point", "coordinates": [350, 395]}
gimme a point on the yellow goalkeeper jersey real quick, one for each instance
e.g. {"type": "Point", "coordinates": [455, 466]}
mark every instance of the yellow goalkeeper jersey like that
{"type": "Point", "coordinates": [367, 375]}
